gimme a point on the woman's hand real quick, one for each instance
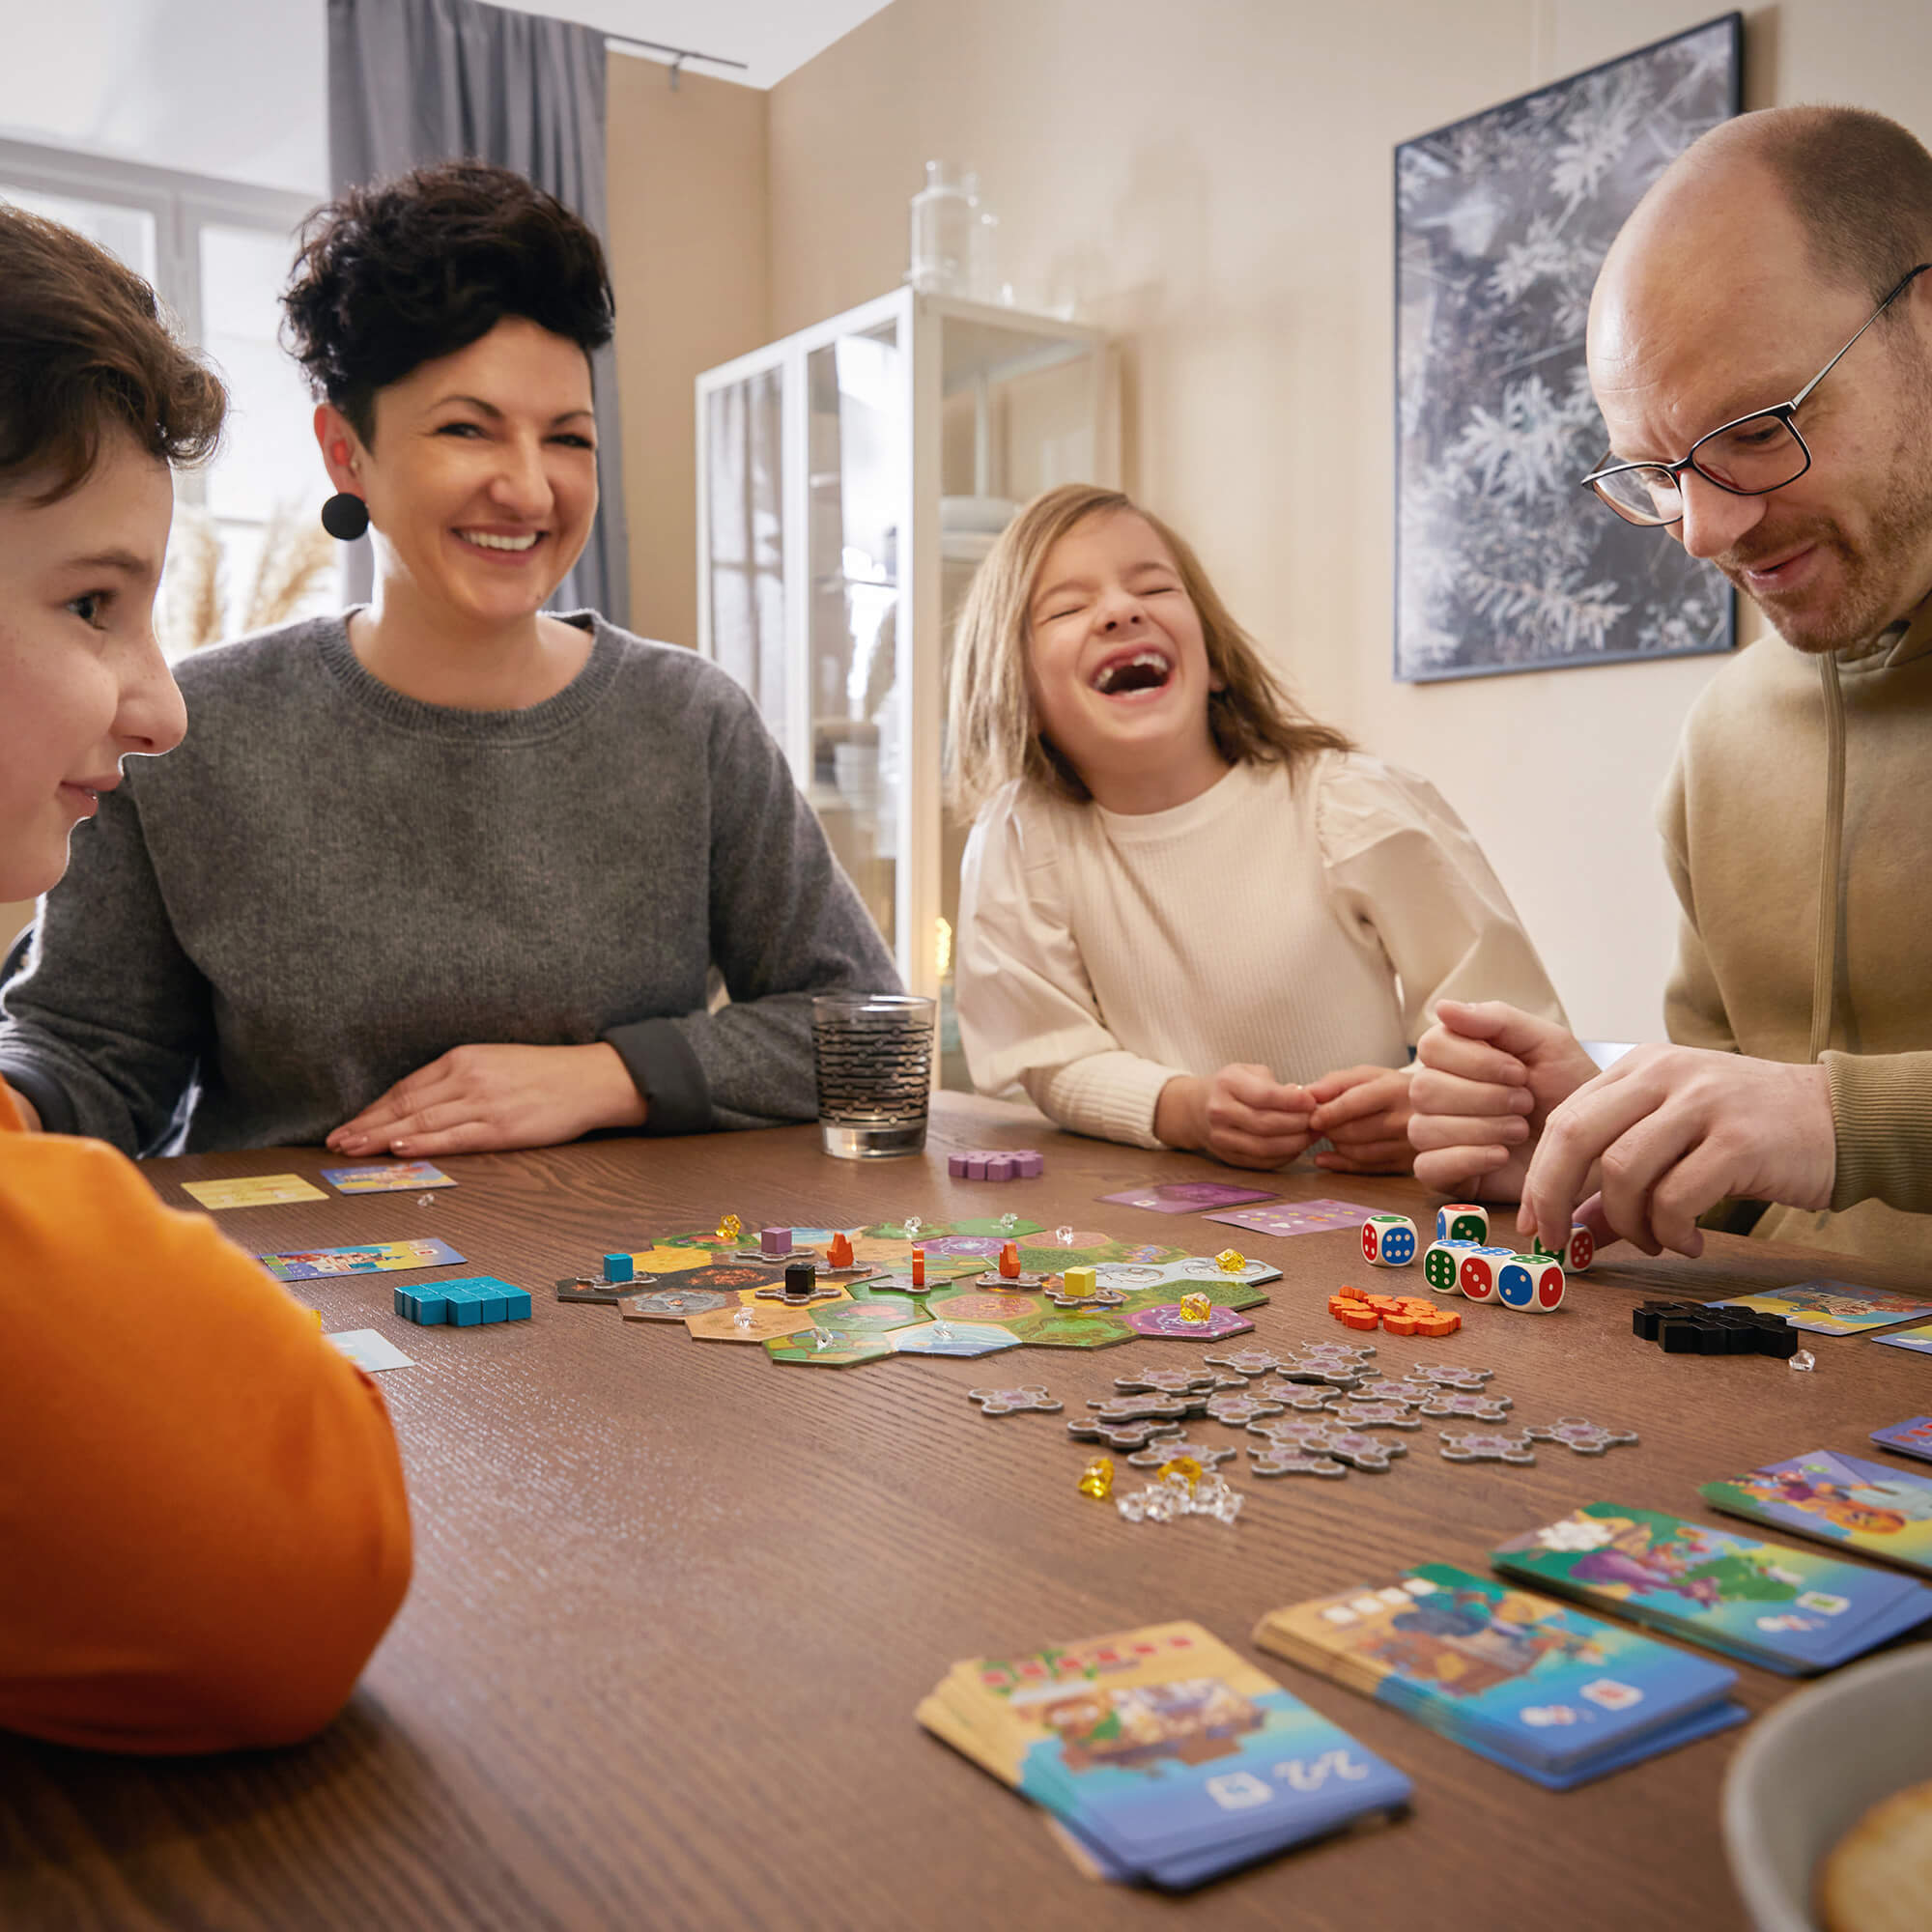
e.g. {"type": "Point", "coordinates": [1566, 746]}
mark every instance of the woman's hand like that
{"type": "Point", "coordinates": [475, 1099]}
{"type": "Point", "coordinates": [1244, 1116]}
{"type": "Point", "coordinates": [1362, 1113]}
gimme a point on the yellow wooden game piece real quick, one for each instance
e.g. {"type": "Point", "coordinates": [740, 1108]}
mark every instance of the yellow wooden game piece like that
{"type": "Point", "coordinates": [1230, 1261]}
{"type": "Point", "coordinates": [1097, 1479]}
{"type": "Point", "coordinates": [1079, 1281]}
{"type": "Point", "coordinates": [730, 1229]}
{"type": "Point", "coordinates": [1195, 1308]}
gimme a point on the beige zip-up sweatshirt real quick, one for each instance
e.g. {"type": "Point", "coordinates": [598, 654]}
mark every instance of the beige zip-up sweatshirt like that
{"type": "Point", "coordinates": [1798, 829]}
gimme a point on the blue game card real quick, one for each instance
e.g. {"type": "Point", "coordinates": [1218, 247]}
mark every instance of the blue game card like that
{"type": "Point", "coordinates": [1524, 1681]}
{"type": "Point", "coordinates": [1787, 1610]}
{"type": "Point", "coordinates": [1911, 1438]}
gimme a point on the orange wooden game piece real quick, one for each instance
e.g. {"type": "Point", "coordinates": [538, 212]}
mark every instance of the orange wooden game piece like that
{"type": "Point", "coordinates": [918, 1267]}
{"type": "Point", "coordinates": [840, 1253]}
{"type": "Point", "coordinates": [1441, 1322]}
{"type": "Point", "coordinates": [1009, 1259]}
{"type": "Point", "coordinates": [1366, 1319]}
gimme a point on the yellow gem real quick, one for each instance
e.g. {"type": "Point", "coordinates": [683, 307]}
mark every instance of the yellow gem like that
{"type": "Point", "coordinates": [1195, 1308]}
{"type": "Point", "coordinates": [1230, 1262]}
{"type": "Point", "coordinates": [1184, 1466]}
{"type": "Point", "coordinates": [730, 1228]}
{"type": "Point", "coordinates": [1097, 1479]}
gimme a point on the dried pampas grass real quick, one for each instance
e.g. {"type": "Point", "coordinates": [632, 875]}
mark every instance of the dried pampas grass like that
{"type": "Point", "coordinates": [297, 557]}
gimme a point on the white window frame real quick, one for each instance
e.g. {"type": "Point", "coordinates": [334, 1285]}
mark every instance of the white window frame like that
{"type": "Point", "coordinates": [180, 205]}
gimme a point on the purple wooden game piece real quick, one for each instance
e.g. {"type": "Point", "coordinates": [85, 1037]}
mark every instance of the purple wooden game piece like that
{"type": "Point", "coordinates": [774, 1243]}
{"type": "Point", "coordinates": [995, 1164]}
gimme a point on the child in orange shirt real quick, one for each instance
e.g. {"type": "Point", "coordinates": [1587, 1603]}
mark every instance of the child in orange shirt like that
{"type": "Point", "coordinates": [201, 1503]}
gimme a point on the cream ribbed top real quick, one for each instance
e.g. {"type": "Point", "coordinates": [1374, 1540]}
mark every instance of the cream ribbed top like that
{"type": "Point", "coordinates": [1305, 926]}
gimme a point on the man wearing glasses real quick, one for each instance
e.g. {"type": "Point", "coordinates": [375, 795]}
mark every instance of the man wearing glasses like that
{"type": "Point", "coordinates": [1760, 344]}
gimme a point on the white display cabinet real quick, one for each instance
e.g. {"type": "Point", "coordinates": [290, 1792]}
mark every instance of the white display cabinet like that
{"type": "Point", "coordinates": [850, 478]}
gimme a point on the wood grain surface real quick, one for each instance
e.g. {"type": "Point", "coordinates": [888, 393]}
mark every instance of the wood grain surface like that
{"type": "Point", "coordinates": [674, 1603]}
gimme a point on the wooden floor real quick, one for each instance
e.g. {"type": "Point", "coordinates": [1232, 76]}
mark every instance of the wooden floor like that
{"type": "Point", "coordinates": [674, 1603]}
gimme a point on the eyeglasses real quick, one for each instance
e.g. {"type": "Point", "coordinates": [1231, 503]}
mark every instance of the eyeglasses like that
{"type": "Point", "coordinates": [1750, 457]}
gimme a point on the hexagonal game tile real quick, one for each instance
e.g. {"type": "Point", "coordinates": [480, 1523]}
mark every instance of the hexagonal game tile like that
{"type": "Point", "coordinates": [867, 1318]}
{"type": "Point", "coordinates": [952, 1338]}
{"type": "Point", "coordinates": [974, 1305]}
{"type": "Point", "coordinates": [1054, 1329]}
{"type": "Point", "coordinates": [767, 1320]}
{"type": "Point", "coordinates": [1165, 1318]}
{"type": "Point", "coordinates": [840, 1351]}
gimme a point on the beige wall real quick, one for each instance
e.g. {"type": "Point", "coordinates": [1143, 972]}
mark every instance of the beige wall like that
{"type": "Point", "coordinates": [1215, 183]}
{"type": "Point", "coordinates": [13, 919]}
{"type": "Point", "coordinates": [690, 262]}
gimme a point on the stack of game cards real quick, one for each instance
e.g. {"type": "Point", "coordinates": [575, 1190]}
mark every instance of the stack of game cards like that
{"type": "Point", "coordinates": [1524, 1682]}
{"type": "Point", "coordinates": [1160, 1752]}
{"type": "Point", "coordinates": [1787, 1610]}
{"type": "Point", "coordinates": [1871, 1507]}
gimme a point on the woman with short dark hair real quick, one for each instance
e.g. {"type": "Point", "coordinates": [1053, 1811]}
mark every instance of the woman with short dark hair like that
{"type": "Point", "coordinates": [446, 872]}
{"type": "Point", "coordinates": [201, 1503]}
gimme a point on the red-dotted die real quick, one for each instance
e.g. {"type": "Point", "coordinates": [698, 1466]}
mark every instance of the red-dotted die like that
{"type": "Point", "coordinates": [1388, 1240]}
{"type": "Point", "coordinates": [1478, 1275]}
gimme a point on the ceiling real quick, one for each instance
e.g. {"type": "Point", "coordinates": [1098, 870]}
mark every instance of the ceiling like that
{"type": "Point", "coordinates": [771, 37]}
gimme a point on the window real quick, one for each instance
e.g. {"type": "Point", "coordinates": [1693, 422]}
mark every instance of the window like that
{"type": "Point", "coordinates": [247, 547]}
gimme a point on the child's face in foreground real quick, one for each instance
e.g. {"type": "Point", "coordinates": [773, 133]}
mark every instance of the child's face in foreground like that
{"type": "Point", "coordinates": [1117, 665]}
{"type": "Point", "coordinates": [82, 681]}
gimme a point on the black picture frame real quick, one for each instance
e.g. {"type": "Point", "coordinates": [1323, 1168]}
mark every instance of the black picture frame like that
{"type": "Point", "coordinates": [1502, 564]}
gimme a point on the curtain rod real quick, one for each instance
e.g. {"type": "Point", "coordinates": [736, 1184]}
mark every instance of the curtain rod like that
{"type": "Point", "coordinates": [626, 43]}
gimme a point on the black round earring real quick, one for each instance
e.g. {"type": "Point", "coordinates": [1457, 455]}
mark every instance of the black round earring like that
{"type": "Point", "coordinates": [344, 517]}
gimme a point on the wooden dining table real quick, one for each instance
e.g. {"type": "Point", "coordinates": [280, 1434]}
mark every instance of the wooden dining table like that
{"type": "Point", "coordinates": [674, 1602]}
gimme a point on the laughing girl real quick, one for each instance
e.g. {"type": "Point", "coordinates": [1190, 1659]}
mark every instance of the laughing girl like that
{"type": "Point", "coordinates": [1190, 915]}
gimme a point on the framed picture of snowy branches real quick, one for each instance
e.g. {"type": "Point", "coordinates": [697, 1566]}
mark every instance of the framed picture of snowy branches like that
{"type": "Point", "coordinates": [1502, 562]}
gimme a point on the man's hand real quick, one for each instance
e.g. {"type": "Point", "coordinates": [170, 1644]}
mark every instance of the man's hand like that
{"type": "Point", "coordinates": [1363, 1115]}
{"type": "Point", "coordinates": [1487, 1077]}
{"type": "Point", "coordinates": [478, 1098]}
{"type": "Point", "coordinates": [1244, 1117]}
{"type": "Point", "coordinates": [1669, 1131]}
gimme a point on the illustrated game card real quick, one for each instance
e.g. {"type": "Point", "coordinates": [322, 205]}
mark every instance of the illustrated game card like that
{"type": "Point", "coordinates": [1788, 1609]}
{"type": "Point", "coordinates": [1162, 1749]}
{"type": "Point", "coordinates": [1919, 1339]}
{"type": "Point", "coordinates": [1526, 1682]}
{"type": "Point", "coordinates": [386, 1176]}
{"type": "Point", "coordinates": [1187, 1197]}
{"type": "Point", "coordinates": [1319, 1216]}
{"type": "Point", "coordinates": [1869, 1507]}
{"type": "Point", "coordinates": [1910, 1437]}
{"type": "Point", "coordinates": [1833, 1307]}
{"type": "Point", "coordinates": [252, 1190]}
{"type": "Point", "coordinates": [377, 1258]}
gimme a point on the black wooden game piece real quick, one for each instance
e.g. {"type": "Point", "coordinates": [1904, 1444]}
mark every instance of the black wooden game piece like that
{"type": "Point", "coordinates": [800, 1281]}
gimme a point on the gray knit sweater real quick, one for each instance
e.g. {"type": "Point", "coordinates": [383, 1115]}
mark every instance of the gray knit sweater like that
{"type": "Point", "coordinates": [330, 884]}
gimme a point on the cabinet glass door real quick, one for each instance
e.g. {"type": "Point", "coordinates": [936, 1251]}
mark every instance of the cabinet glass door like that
{"type": "Point", "coordinates": [743, 435]}
{"type": "Point", "coordinates": [856, 453]}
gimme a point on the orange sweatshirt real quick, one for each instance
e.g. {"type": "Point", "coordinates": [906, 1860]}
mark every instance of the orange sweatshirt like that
{"type": "Point", "coordinates": [202, 1526]}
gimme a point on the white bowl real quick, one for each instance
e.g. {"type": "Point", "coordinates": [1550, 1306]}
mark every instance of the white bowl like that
{"type": "Point", "coordinates": [1812, 1768]}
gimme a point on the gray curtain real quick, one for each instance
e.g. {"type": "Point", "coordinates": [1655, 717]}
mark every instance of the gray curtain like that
{"type": "Point", "coordinates": [412, 81]}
